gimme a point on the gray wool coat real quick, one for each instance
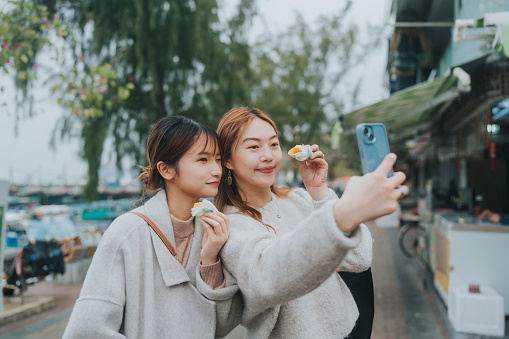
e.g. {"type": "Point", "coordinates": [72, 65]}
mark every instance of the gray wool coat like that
{"type": "Point", "coordinates": [134, 287]}
{"type": "Point", "coordinates": [288, 279]}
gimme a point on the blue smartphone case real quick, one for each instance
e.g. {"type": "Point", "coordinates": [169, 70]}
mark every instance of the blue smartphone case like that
{"type": "Point", "coordinates": [373, 145]}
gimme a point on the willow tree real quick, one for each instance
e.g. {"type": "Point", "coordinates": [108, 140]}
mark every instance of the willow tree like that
{"type": "Point", "coordinates": [302, 75]}
{"type": "Point", "coordinates": [25, 29]}
{"type": "Point", "coordinates": [166, 57]}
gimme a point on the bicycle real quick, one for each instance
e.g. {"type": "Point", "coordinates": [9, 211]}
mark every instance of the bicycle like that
{"type": "Point", "coordinates": [413, 237]}
{"type": "Point", "coordinates": [408, 238]}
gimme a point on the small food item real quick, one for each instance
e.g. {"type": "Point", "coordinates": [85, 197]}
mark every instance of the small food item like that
{"type": "Point", "coordinates": [474, 288]}
{"type": "Point", "coordinates": [201, 208]}
{"type": "Point", "coordinates": [300, 152]}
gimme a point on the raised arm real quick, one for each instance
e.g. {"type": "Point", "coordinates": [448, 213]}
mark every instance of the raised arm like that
{"type": "Point", "coordinates": [361, 257]}
{"type": "Point", "coordinates": [274, 269]}
{"type": "Point", "coordinates": [358, 259]}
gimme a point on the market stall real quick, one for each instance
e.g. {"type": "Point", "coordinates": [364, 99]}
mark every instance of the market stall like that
{"type": "Point", "coordinates": [470, 252]}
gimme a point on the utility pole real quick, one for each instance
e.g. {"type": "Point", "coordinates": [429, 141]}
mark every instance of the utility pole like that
{"type": "Point", "coordinates": [4, 192]}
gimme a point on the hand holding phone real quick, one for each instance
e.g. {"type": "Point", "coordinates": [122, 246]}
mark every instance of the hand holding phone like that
{"type": "Point", "coordinates": [373, 145]}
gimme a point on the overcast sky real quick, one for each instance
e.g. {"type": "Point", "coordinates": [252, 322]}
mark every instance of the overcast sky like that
{"type": "Point", "coordinates": [28, 158]}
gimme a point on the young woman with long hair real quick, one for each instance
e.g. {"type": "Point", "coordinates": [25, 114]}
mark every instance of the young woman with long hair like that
{"type": "Point", "coordinates": [145, 283]}
{"type": "Point", "coordinates": [286, 245]}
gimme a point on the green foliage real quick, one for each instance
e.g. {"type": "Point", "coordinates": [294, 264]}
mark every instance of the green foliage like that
{"type": "Point", "coordinates": [138, 61]}
{"type": "Point", "coordinates": [299, 73]}
{"type": "Point", "coordinates": [92, 92]}
{"type": "Point", "coordinates": [24, 27]}
{"type": "Point", "coordinates": [125, 64]}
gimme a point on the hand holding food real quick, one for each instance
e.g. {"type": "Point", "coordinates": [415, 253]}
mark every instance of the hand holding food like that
{"type": "Point", "coordinates": [300, 152]}
{"type": "Point", "coordinates": [217, 231]}
{"type": "Point", "coordinates": [313, 170]}
{"type": "Point", "coordinates": [201, 208]}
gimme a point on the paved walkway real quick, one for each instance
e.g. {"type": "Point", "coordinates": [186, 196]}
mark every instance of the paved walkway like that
{"type": "Point", "coordinates": [64, 297]}
{"type": "Point", "coordinates": [404, 307]}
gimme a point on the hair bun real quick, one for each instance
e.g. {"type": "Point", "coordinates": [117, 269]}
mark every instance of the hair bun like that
{"type": "Point", "coordinates": [144, 177]}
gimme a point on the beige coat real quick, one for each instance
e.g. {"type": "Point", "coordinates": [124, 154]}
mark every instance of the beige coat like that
{"type": "Point", "coordinates": [136, 289]}
{"type": "Point", "coordinates": [288, 280]}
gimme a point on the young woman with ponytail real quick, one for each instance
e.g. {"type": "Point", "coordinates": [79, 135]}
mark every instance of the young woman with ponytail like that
{"type": "Point", "coordinates": [285, 246]}
{"type": "Point", "coordinates": [156, 268]}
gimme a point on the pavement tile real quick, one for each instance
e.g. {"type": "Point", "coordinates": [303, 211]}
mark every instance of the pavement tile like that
{"type": "Point", "coordinates": [389, 319]}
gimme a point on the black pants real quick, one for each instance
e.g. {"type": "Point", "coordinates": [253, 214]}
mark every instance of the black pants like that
{"type": "Point", "coordinates": [361, 287]}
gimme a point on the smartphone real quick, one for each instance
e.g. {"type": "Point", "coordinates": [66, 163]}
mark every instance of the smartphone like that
{"type": "Point", "coordinates": [373, 145]}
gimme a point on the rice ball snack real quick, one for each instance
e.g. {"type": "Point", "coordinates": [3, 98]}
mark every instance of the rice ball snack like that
{"type": "Point", "coordinates": [300, 152]}
{"type": "Point", "coordinates": [202, 207]}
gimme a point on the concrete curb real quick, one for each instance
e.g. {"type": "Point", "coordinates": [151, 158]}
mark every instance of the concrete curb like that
{"type": "Point", "coordinates": [19, 308]}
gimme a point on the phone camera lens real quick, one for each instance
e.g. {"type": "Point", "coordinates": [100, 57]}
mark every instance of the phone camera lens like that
{"type": "Point", "coordinates": [366, 130]}
{"type": "Point", "coordinates": [371, 137]}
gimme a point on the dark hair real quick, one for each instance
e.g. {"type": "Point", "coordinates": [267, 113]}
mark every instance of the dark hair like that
{"type": "Point", "coordinates": [170, 138]}
{"type": "Point", "coordinates": [232, 125]}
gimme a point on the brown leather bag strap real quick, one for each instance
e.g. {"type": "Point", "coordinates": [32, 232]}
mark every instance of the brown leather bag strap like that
{"type": "Point", "coordinates": [159, 233]}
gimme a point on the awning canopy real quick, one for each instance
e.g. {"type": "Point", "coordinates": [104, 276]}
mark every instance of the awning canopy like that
{"type": "Point", "coordinates": [413, 109]}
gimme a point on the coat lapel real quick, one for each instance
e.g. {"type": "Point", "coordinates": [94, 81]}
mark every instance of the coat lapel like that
{"type": "Point", "coordinates": [194, 256]}
{"type": "Point", "coordinates": [156, 209]}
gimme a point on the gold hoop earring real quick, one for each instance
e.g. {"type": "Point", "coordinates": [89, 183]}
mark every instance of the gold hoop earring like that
{"type": "Point", "coordinates": [230, 179]}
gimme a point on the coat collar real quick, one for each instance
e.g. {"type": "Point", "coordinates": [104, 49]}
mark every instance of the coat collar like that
{"type": "Point", "coordinates": [173, 273]}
